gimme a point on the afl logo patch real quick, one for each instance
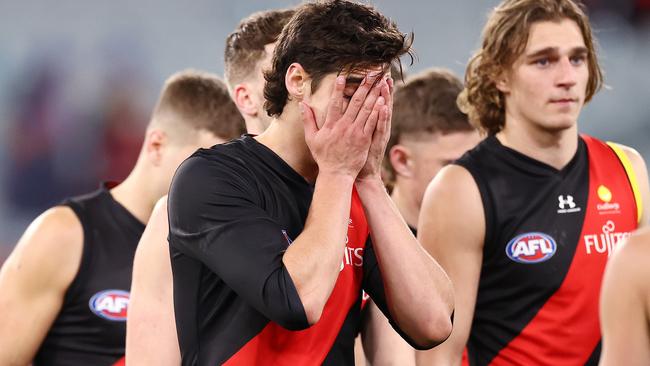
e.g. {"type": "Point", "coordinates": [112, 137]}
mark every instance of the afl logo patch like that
{"type": "Point", "coordinates": [531, 248]}
{"type": "Point", "coordinates": [110, 304]}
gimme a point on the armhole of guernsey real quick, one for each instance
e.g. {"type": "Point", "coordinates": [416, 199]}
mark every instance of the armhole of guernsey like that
{"type": "Point", "coordinates": [486, 202]}
{"type": "Point", "coordinates": [631, 176]}
{"type": "Point", "coordinates": [76, 284]}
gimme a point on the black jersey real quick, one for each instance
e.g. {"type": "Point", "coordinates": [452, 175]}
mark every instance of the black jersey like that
{"type": "Point", "coordinates": [548, 235]}
{"type": "Point", "coordinates": [91, 327]}
{"type": "Point", "coordinates": [233, 211]}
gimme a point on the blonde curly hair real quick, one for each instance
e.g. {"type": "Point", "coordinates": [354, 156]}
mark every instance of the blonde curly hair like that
{"type": "Point", "coordinates": [504, 39]}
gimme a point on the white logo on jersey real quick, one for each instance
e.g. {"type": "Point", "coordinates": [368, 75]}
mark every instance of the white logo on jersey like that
{"type": "Point", "coordinates": [351, 256]}
{"type": "Point", "coordinates": [112, 304]}
{"type": "Point", "coordinates": [607, 241]}
{"type": "Point", "coordinates": [566, 204]}
{"type": "Point", "coordinates": [529, 248]}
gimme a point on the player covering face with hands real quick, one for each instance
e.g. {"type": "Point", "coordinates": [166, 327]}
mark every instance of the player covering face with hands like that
{"type": "Point", "coordinates": [363, 117]}
{"type": "Point", "coordinates": [279, 233]}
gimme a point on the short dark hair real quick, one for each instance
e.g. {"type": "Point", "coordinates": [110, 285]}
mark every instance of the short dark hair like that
{"type": "Point", "coordinates": [426, 103]}
{"type": "Point", "coordinates": [199, 101]}
{"type": "Point", "coordinates": [504, 39]}
{"type": "Point", "coordinates": [245, 46]}
{"type": "Point", "coordinates": [332, 36]}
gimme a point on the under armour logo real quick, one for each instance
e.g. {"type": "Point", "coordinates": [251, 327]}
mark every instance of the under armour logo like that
{"type": "Point", "coordinates": [566, 201]}
{"type": "Point", "coordinates": [566, 204]}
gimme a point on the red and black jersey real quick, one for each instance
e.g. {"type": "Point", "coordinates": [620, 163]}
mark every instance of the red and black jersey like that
{"type": "Point", "coordinates": [233, 211]}
{"type": "Point", "coordinates": [548, 235]}
{"type": "Point", "coordinates": [91, 326]}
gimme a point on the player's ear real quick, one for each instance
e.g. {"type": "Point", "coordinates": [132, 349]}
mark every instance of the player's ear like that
{"type": "Point", "coordinates": [297, 81]}
{"type": "Point", "coordinates": [502, 83]}
{"type": "Point", "coordinates": [243, 99]}
{"type": "Point", "coordinates": [154, 143]}
{"type": "Point", "coordinates": [401, 161]}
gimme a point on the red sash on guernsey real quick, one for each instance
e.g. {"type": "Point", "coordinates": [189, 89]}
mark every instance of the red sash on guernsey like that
{"type": "Point", "coordinates": [566, 329]}
{"type": "Point", "coordinates": [120, 362]}
{"type": "Point", "coordinates": [275, 345]}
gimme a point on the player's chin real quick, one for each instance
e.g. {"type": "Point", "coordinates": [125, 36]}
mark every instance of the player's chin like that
{"type": "Point", "coordinates": [560, 122]}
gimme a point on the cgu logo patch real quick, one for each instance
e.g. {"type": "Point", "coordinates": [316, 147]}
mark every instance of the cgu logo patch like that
{"type": "Point", "coordinates": [110, 304]}
{"type": "Point", "coordinates": [531, 248]}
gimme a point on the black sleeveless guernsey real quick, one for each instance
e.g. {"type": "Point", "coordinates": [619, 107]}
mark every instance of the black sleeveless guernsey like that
{"type": "Point", "coordinates": [548, 235]}
{"type": "Point", "coordinates": [91, 327]}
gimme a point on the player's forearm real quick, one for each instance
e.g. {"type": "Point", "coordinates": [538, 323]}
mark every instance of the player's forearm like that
{"type": "Point", "coordinates": [313, 260]}
{"type": "Point", "coordinates": [382, 345]}
{"type": "Point", "coordinates": [418, 292]}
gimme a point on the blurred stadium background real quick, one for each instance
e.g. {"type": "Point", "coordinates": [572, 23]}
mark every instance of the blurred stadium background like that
{"type": "Point", "coordinates": [79, 78]}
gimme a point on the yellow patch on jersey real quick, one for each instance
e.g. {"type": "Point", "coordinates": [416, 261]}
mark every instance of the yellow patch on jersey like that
{"type": "Point", "coordinates": [604, 194]}
{"type": "Point", "coordinates": [622, 156]}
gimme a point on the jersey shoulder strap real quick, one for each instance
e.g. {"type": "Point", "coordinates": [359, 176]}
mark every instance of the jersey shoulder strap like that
{"type": "Point", "coordinates": [631, 175]}
{"type": "Point", "coordinates": [627, 166]}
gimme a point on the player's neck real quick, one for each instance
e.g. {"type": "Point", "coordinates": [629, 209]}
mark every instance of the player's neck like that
{"type": "Point", "coordinates": [555, 148]}
{"type": "Point", "coordinates": [254, 125]}
{"type": "Point", "coordinates": [406, 204]}
{"type": "Point", "coordinates": [135, 194]}
{"type": "Point", "coordinates": [285, 137]}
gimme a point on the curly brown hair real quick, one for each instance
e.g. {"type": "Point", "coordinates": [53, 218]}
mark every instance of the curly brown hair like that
{"type": "Point", "coordinates": [245, 45]}
{"type": "Point", "coordinates": [332, 36]}
{"type": "Point", "coordinates": [504, 39]}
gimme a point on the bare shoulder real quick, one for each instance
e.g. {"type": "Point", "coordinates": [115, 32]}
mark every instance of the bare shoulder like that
{"type": "Point", "coordinates": [159, 213]}
{"type": "Point", "coordinates": [55, 234]}
{"type": "Point", "coordinates": [152, 254]}
{"type": "Point", "coordinates": [151, 266]}
{"type": "Point", "coordinates": [33, 282]}
{"type": "Point", "coordinates": [161, 206]}
{"type": "Point", "coordinates": [49, 250]}
{"type": "Point", "coordinates": [637, 161]}
{"type": "Point", "coordinates": [455, 175]}
{"type": "Point", "coordinates": [452, 206]}
{"type": "Point", "coordinates": [452, 183]}
{"type": "Point", "coordinates": [157, 227]}
{"type": "Point", "coordinates": [60, 223]}
{"type": "Point", "coordinates": [631, 153]}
